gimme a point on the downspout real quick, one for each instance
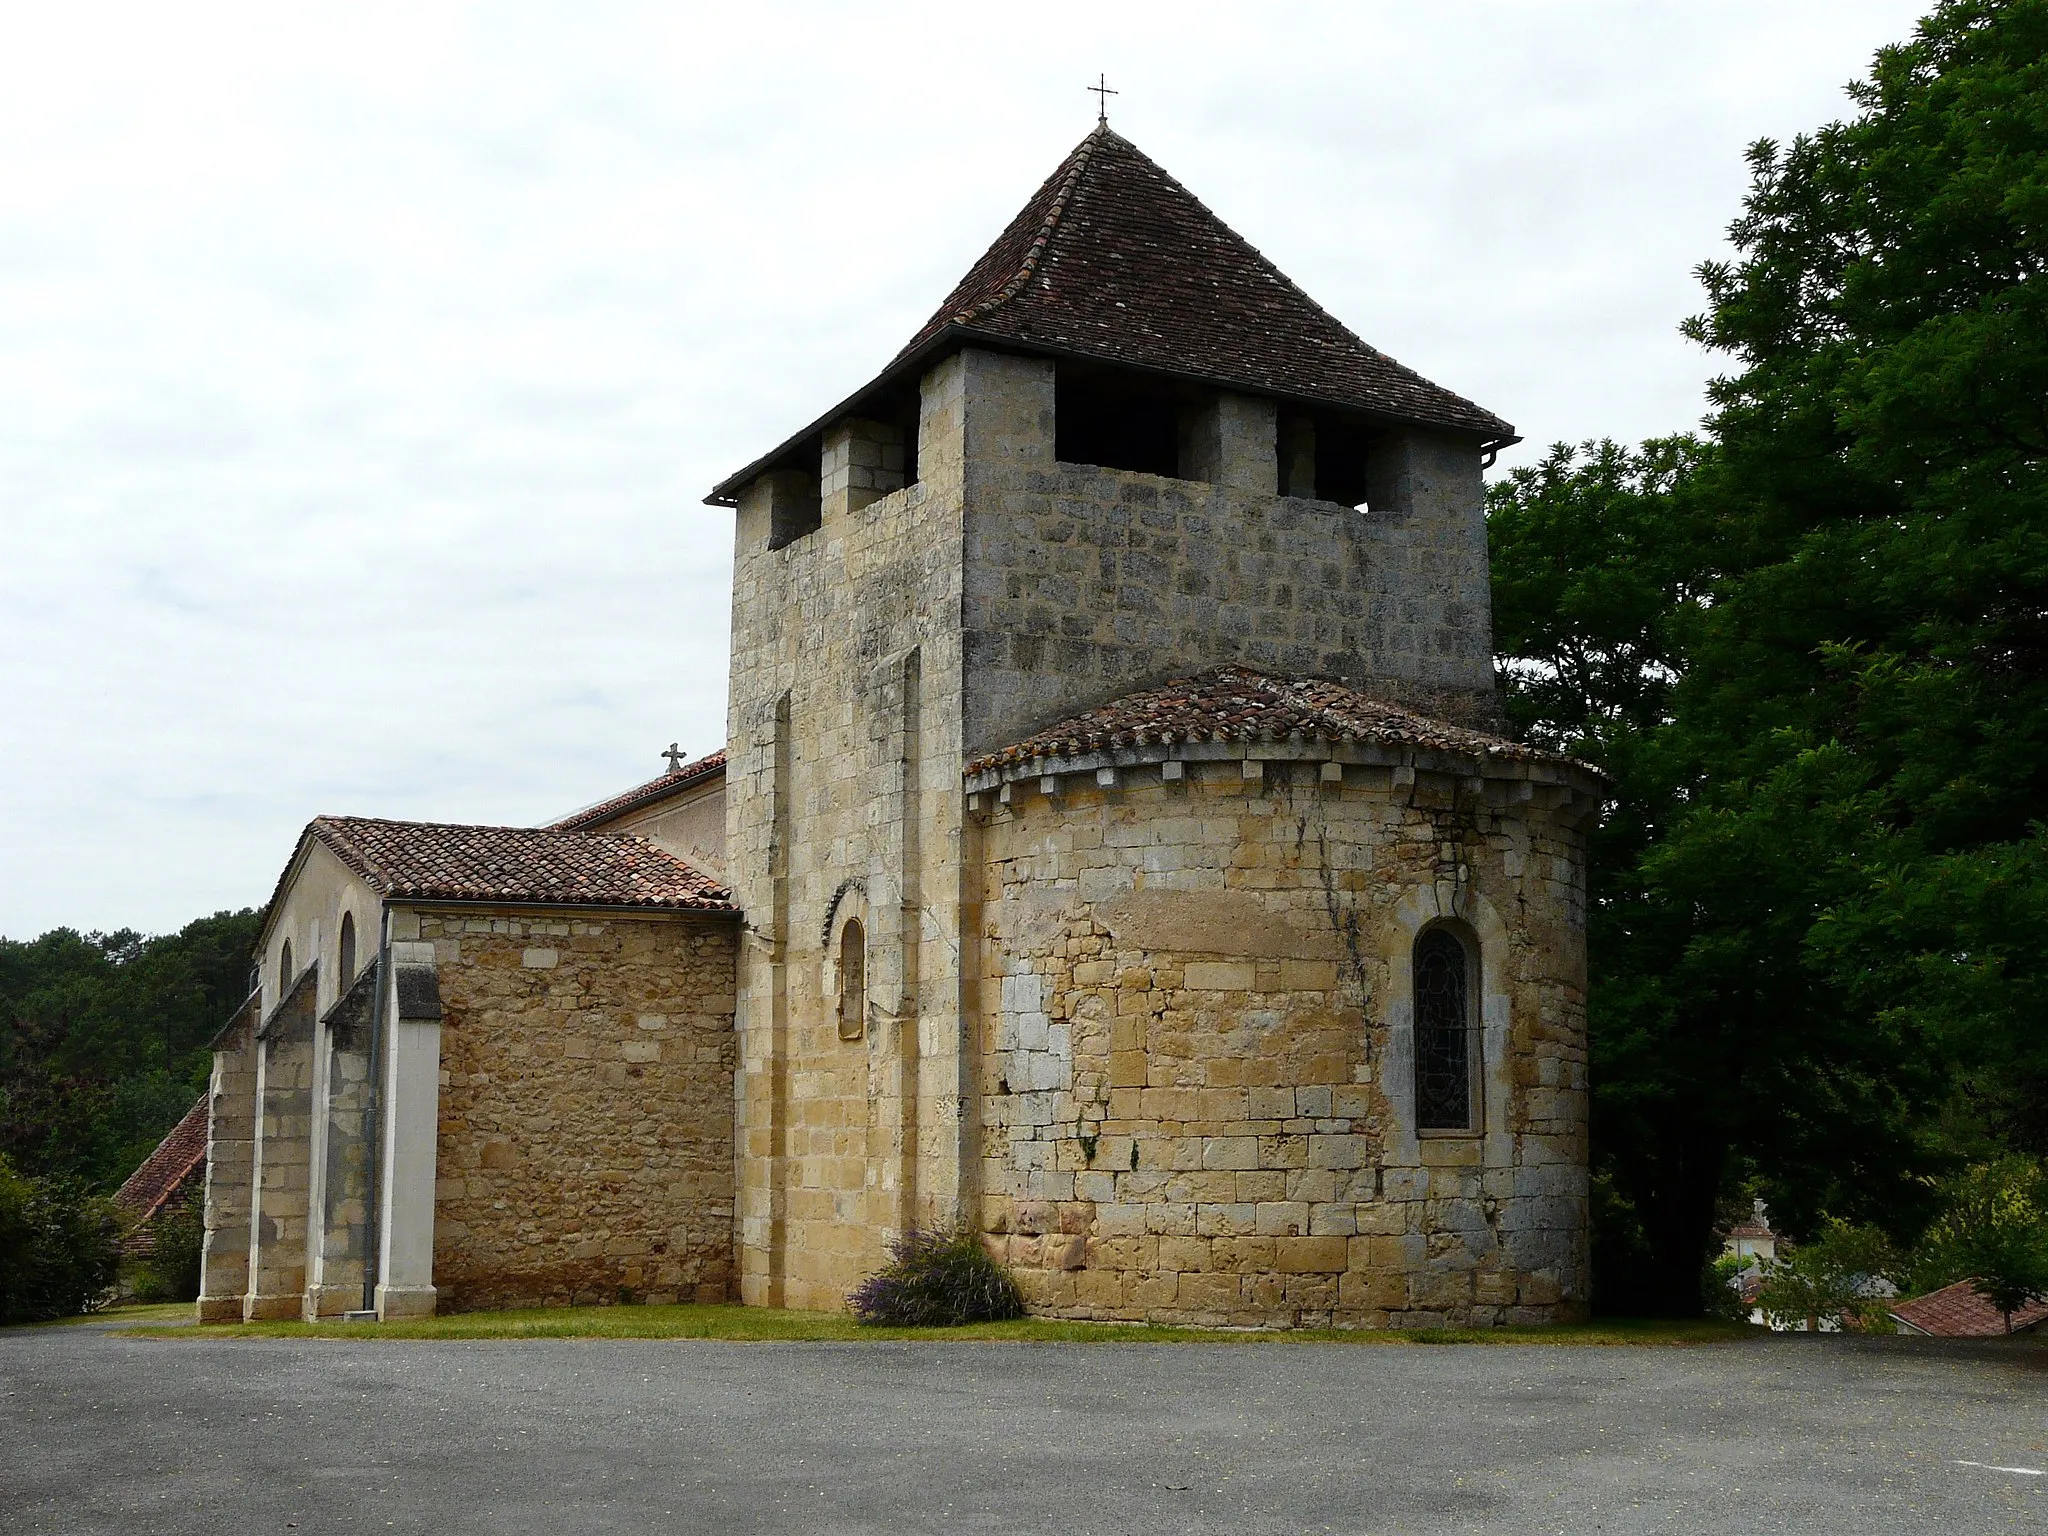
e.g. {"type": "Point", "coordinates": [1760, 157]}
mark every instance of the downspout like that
{"type": "Point", "coordinates": [373, 1256]}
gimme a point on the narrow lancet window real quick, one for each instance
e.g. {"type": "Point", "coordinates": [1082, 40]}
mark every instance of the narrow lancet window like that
{"type": "Point", "coordinates": [1444, 1033]}
{"type": "Point", "coordinates": [853, 981]}
{"type": "Point", "coordinates": [284, 970]}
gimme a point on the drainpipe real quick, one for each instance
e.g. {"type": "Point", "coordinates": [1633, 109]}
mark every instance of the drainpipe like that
{"type": "Point", "coordinates": [373, 1235]}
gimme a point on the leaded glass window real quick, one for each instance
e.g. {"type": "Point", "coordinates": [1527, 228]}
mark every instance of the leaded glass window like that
{"type": "Point", "coordinates": [1443, 1032]}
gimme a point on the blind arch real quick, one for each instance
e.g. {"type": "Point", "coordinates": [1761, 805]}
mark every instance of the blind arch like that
{"type": "Point", "coordinates": [346, 973]}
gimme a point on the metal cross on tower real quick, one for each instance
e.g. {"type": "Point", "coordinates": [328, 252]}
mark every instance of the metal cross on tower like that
{"type": "Point", "coordinates": [1102, 92]}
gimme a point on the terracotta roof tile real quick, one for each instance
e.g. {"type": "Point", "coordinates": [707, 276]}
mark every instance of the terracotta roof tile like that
{"type": "Point", "coordinates": [1114, 259]}
{"type": "Point", "coordinates": [1959, 1312]}
{"type": "Point", "coordinates": [710, 766]}
{"type": "Point", "coordinates": [166, 1171]}
{"type": "Point", "coordinates": [433, 861]}
{"type": "Point", "coordinates": [1242, 704]}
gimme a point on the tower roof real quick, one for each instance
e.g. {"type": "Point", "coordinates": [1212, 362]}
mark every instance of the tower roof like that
{"type": "Point", "coordinates": [1115, 262]}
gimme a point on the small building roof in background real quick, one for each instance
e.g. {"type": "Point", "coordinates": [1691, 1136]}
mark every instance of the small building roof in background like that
{"type": "Point", "coordinates": [1959, 1312]}
{"type": "Point", "coordinates": [1756, 1225]}
{"type": "Point", "coordinates": [166, 1171]}
{"type": "Point", "coordinates": [1243, 704]}
{"type": "Point", "coordinates": [640, 796]}
{"type": "Point", "coordinates": [435, 861]}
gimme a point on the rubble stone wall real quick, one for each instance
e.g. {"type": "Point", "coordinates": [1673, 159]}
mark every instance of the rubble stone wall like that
{"type": "Point", "coordinates": [586, 1109]}
{"type": "Point", "coordinates": [1197, 1055]}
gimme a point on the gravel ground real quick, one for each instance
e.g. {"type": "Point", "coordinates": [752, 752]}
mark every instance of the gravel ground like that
{"type": "Point", "coordinates": [104, 1433]}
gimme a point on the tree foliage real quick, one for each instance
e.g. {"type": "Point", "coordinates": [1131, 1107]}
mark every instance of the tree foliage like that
{"type": "Point", "coordinates": [1832, 1281]}
{"type": "Point", "coordinates": [172, 1269]}
{"type": "Point", "coordinates": [1812, 650]}
{"type": "Point", "coordinates": [1993, 1232]}
{"type": "Point", "coordinates": [103, 1040]}
{"type": "Point", "coordinates": [60, 1248]}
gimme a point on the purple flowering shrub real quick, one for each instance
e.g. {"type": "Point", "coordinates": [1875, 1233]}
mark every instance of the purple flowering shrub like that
{"type": "Point", "coordinates": [937, 1279]}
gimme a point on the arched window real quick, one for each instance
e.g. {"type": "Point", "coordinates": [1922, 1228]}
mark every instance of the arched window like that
{"type": "Point", "coordinates": [347, 972]}
{"type": "Point", "coordinates": [284, 970]}
{"type": "Point", "coordinates": [1446, 1032]}
{"type": "Point", "coordinates": [853, 980]}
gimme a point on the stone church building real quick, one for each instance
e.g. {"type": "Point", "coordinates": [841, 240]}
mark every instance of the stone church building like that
{"type": "Point", "coordinates": [1115, 846]}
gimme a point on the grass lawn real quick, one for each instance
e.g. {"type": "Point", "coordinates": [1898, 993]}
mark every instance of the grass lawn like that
{"type": "Point", "coordinates": [765, 1325]}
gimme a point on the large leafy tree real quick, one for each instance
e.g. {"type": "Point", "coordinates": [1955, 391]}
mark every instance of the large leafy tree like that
{"type": "Point", "coordinates": [103, 1040]}
{"type": "Point", "coordinates": [1814, 653]}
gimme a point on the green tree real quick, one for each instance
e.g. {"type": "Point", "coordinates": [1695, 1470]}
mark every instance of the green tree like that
{"type": "Point", "coordinates": [1828, 1281]}
{"type": "Point", "coordinates": [1880, 670]}
{"type": "Point", "coordinates": [1993, 1232]}
{"type": "Point", "coordinates": [1824, 696]}
{"type": "Point", "coordinates": [60, 1248]}
{"type": "Point", "coordinates": [103, 1040]}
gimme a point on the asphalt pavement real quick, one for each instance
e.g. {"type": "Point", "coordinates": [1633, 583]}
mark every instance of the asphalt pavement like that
{"type": "Point", "coordinates": [104, 1433]}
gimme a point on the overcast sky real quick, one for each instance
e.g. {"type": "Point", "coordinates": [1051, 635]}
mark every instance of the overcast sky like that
{"type": "Point", "coordinates": [362, 368]}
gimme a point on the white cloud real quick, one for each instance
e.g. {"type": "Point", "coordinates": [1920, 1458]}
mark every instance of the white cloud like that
{"type": "Point", "coordinates": [366, 365]}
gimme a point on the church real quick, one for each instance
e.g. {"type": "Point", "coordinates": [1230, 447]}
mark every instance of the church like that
{"type": "Point", "coordinates": [1116, 846]}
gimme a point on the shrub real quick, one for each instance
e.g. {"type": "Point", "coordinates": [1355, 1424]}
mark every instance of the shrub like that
{"type": "Point", "coordinates": [1721, 1289]}
{"type": "Point", "coordinates": [1831, 1280]}
{"type": "Point", "coordinates": [60, 1248]}
{"type": "Point", "coordinates": [1993, 1232]}
{"type": "Point", "coordinates": [171, 1271]}
{"type": "Point", "coordinates": [938, 1279]}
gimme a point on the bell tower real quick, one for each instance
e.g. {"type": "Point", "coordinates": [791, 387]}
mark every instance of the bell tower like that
{"type": "Point", "coordinates": [1124, 448]}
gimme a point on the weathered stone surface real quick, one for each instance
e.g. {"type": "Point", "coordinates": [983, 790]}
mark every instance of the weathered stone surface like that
{"type": "Point", "coordinates": [280, 1223]}
{"type": "Point", "coordinates": [230, 1152]}
{"type": "Point", "coordinates": [1232, 1126]}
{"type": "Point", "coordinates": [586, 1109]}
{"type": "Point", "coordinates": [998, 590]}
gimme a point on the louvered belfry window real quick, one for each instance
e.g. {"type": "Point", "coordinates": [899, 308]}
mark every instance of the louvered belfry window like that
{"type": "Point", "coordinates": [1443, 1032]}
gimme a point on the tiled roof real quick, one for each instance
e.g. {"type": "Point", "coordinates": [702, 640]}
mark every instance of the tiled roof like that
{"type": "Point", "coordinates": [1242, 704]}
{"type": "Point", "coordinates": [1959, 1312]}
{"type": "Point", "coordinates": [1114, 259]}
{"type": "Point", "coordinates": [710, 766]}
{"type": "Point", "coordinates": [436, 862]}
{"type": "Point", "coordinates": [166, 1171]}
